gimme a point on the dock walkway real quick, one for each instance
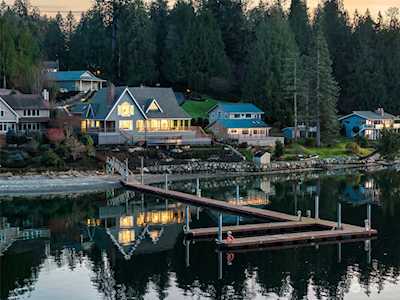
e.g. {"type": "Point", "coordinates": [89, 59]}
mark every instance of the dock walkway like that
{"type": "Point", "coordinates": [327, 230]}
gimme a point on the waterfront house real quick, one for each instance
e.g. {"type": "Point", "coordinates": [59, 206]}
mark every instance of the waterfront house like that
{"type": "Point", "coordinates": [241, 123]}
{"type": "Point", "coordinates": [116, 115]}
{"type": "Point", "coordinates": [23, 113]}
{"type": "Point", "coordinates": [262, 159]}
{"type": "Point", "coordinates": [369, 124]}
{"type": "Point", "coordinates": [75, 81]}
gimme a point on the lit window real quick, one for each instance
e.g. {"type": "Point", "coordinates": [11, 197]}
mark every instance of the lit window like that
{"type": "Point", "coordinates": [126, 124]}
{"type": "Point", "coordinates": [126, 222]}
{"type": "Point", "coordinates": [140, 125]}
{"type": "Point", "coordinates": [154, 106]}
{"type": "Point", "coordinates": [126, 237]}
{"type": "Point", "coordinates": [125, 109]}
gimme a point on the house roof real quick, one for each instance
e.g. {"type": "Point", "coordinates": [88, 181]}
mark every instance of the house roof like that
{"type": "Point", "coordinates": [72, 76]}
{"type": "Point", "coordinates": [237, 108]}
{"type": "Point", "coordinates": [165, 98]}
{"type": "Point", "coordinates": [242, 123]}
{"type": "Point", "coordinates": [144, 96]}
{"type": "Point", "coordinates": [370, 115]}
{"type": "Point", "coordinates": [18, 101]}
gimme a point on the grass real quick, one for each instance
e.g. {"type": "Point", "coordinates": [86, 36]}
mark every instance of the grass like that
{"type": "Point", "coordinates": [247, 153]}
{"type": "Point", "coordinates": [199, 109]}
{"type": "Point", "coordinates": [338, 150]}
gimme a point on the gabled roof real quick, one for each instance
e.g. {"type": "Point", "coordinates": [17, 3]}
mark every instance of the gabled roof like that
{"type": "Point", "coordinates": [72, 76]}
{"type": "Point", "coordinates": [144, 96]}
{"type": "Point", "coordinates": [166, 100]}
{"type": "Point", "coordinates": [370, 115]}
{"type": "Point", "coordinates": [242, 123]}
{"type": "Point", "coordinates": [237, 108]}
{"type": "Point", "coordinates": [18, 101]}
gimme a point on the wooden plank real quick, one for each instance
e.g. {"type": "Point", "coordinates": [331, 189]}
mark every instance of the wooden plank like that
{"type": "Point", "coordinates": [295, 237]}
{"type": "Point", "coordinates": [302, 245]}
{"type": "Point", "coordinates": [216, 204]}
{"type": "Point", "coordinates": [212, 231]}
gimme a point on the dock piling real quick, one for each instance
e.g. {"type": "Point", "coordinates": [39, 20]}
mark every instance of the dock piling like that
{"type": "Point", "coordinates": [317, 207]}
{"type": "Point", "coordinates": [142, 170]}
{"type": "Point", "coordinates": [198, 190]}
{"type": "Point", "coordinates": [339, 216]}
{"type": "Point", "coordinates": [187, 219]}
{"type": "Point", "coordinates": [220, 217]}
{"type": "Point", "coordinates": [299, 215]}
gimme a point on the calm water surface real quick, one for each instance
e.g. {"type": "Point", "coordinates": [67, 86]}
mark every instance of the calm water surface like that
{"type": "Point", "coordinates": [125, 245]}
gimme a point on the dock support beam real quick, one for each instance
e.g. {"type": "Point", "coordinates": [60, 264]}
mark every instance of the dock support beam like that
{"type": "Point", "coordinates": [219, 265]}
{"type": "Point", "coordinates": [339, 245]}
{"type": "Point", "coordinates": [220, 228]}
{"type": "Point", "coordinates": [187, 219]}
{"type": "Point", "coordinates": [237, 203]}
{"type": "Point", "coordinates": [317, 207]}
{"type": "Point", "coordinates": [368, 221]}
{"type": "Point", "coordinates": [339, 216]}
{"type": "Point", "coordinates": [142, 170]}
{"type": "Point", "coordinates": [187, 244]}
{"type": "Point", "coordinates": [198, 190]}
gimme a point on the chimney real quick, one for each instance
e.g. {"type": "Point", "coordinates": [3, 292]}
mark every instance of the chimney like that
{"type": "Point", "coordinates": [110, 93]}
{"type": "Point", "coordinates": [46, 95]}
{"type": "Point", "coordinates": [380, 111]}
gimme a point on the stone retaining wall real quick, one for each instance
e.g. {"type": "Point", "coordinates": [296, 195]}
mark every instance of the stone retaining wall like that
{"type": "Point", "coordinates": [242, 167]}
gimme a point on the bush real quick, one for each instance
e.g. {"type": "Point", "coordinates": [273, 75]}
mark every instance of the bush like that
{"type": "Point", "coordinates": [279, 149]}
{"type": "Point", "coordinates": [361, 141]}
{"type": "Point", "coordinates": [87, 140]}
{"type": "Point", "coordinates": [353, 148]}
{"type": "Point", "coordinates": [389, 144]}
{"type": "Point", "coordinates": [310, 142]}
{"type": "Point", "coordinates": [51, 159]}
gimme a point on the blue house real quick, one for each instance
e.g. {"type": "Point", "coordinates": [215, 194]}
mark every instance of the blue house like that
{"type": "Point", "coordinates": [240, 122]}
{"type": "Point", "coordinates": [75, 81]}
{"type": "Point", "coordinates": [369, 124]}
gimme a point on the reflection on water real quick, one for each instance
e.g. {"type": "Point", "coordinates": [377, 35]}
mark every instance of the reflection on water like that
{"type": "Point", "coordinates": [125, 245]}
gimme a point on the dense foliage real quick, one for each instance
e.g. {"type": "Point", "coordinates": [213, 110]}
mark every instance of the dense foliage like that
{"type": "Point", "coordinates": [270, 55]}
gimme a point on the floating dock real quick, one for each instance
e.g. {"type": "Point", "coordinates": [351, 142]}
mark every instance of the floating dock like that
{"type": "Point", "coordinates": [326, 230]}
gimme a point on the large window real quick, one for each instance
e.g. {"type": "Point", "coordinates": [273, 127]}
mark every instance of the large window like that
{"type": "Point", "coordinates": [126, 124]}
{"type": "Point", "coordinates": [140, 125]}
{"type": "Point", "coordinates": [125, 109]}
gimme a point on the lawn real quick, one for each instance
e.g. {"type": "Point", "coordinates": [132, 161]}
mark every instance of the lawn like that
{"type": "Point", "coordinates": [338, 150]}
{"type": "Point", "coordinates": [199, 109]}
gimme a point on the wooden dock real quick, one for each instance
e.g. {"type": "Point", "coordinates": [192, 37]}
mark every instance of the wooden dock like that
{"type": "Point", "coordinates": [326, 230]}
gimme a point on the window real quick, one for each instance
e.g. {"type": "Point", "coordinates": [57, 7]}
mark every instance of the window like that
{"type": "Point", "coordinates": [126, 124]}
{"type": "Point", "coordinates": [140, 125]}
{"type": "Point", "coordinates": [153, 106]}
{"type": "Point", "coordinates": [29, 112]}
{"type": "Point", "coordinates": [125, 109]}
{"type": "Point", "coordinates": [234, 131]}
{"type": "Point", "coordinates": [245, 131]}
{"type": "Point", "coordinates": [248, 116]}
{"type": "Point", "coordinates": [255, 131]}
{"type": "Point", "coordinates": [2, 113]}
{"type": "Point", "coordinates": [37, 112]}
{"type": "Point", "coordinates": [236, 116]}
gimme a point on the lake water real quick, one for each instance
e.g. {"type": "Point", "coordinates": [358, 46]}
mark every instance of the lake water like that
{"type": "Point", "coordinates": [125, 245]}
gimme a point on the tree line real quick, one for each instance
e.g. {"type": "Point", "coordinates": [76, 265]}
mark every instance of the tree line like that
{"type": "Point", "coordinates": [299, 66]}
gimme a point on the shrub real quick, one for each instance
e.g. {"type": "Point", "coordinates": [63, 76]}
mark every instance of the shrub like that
{"type": "Point", "coordinates": [51, 159]}
{"type": "Point", "coordinates": [361, 141]}
{"type": "Point", "coordinates": [353, 148]}
{"type": "Point", "coordinates": [87, 140]}
{"type": "Point", "coordinates": [55, 135]}
{"type": "Point", "coordinates": [279, 149]}
{"type": "Point", "coordinates": [76, 149]}
{"type": "Point", "coordinates": [310, 142]}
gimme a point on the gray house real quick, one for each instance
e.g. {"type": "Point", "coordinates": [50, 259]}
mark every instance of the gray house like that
{"type": "Point", "coordinates": [117, 115]}
{"type": "Point", "coordinates": [75, 81]}
{"type": "Point", "coordinates": [23, 112]}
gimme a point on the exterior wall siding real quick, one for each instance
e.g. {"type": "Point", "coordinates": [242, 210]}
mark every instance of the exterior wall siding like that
{"type": "Point", "coordinates": [9, 116]}
{"type": "Point", "coordinates": [352, 122]}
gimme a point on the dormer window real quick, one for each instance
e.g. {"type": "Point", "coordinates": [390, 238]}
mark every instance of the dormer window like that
{"type": "Point", "coordinates": [154, 106]}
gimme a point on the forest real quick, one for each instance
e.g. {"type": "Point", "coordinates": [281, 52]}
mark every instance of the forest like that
{"type": "Point", "coordinates": [297, 64]}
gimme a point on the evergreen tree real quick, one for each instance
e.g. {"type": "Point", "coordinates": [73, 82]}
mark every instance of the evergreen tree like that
{"type": "Point", "coordinates": [159, 18]}
{"type": "Point", "coordinates": [54, 39]}
{"type": "Point", "coordinates": [300, 24]}
{"type": "Point", "coordinates": [324, 90]}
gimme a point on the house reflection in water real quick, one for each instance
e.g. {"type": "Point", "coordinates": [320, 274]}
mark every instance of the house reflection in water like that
{"type": "Point", "coordinates": [365, 190]}
{"type": "Point", "coordinates": [144, 226]}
